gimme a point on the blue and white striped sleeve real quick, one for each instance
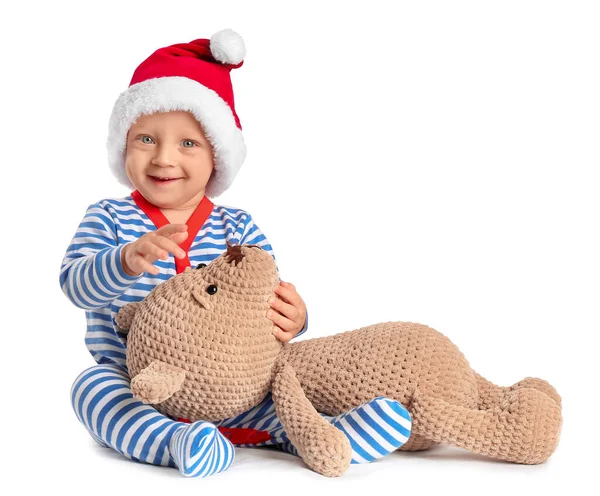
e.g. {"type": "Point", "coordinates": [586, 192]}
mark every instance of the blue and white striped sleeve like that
{"type": "Point", "coordinates": [91, 274]}
{"type": "Point", "coordinates": [252, 235]}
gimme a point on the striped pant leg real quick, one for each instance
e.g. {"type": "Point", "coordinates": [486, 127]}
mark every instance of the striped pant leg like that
{"type": "Point", "coordinates": [374, 429]}
{"type": "Point", "coordinates": [103, 402]}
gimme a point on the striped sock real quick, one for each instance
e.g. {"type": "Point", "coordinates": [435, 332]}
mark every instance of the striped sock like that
{"type": "Point", "coordinates": [374, 429]}
{"type": "Point", "coordinates": [200, 450]}
{"type": "Point", "coordinates": [98, 440]}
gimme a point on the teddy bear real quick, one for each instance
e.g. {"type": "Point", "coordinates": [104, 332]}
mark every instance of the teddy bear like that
{"type": "Point", "coordinates": [200, 347]}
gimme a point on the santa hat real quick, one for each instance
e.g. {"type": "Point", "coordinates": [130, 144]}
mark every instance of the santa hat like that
{"type": "Point", "coordinates": [193, 77]}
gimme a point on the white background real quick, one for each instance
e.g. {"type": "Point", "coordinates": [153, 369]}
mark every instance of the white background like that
{"type": "Point", "coordinates": [434, 162]}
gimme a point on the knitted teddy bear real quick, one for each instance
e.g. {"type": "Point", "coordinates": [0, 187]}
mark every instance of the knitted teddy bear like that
{"type": "Point", "coordinates": [200, 347]}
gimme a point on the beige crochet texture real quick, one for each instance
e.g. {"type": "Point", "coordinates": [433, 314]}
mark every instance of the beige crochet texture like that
{"type": "Point", "coordinates": [201, 347]}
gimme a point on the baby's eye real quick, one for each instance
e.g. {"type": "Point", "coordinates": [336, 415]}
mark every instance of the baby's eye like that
{"type": "Point", "coordinates": [211, 290]}
{"type": "Point", "coordinates": [143, 140]}
{"type": "Point", "coordinates": [193, 143]}
{"type": "Point", "coordinates": [200, 265]}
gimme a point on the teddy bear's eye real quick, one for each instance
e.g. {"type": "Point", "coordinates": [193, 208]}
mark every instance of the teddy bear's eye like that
{"type": "Point", "coordinates": [211, 290]}
{"type": "Point", "coordinates": [200, 265]}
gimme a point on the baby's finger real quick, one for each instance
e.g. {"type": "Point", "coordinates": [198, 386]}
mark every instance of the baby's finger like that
{"type": "Point", "coordinates": [151, 251]}
{"type": "Point", "coordinates": [168, 245]}
{"type": "Point", "coordinates": [280, 321]}
{"type": "Point", "coordinates": [178, 237]}
{"type": "Point", "coordinates": [140, 264]}
{"type": "Point", "coordinates": [148, 267]}
{"type": "Point", "coordinates": [282, 335]}
{"type": "Point", "coordinates": [288, 294]}
{"type": "Point", "coordinates": [284, 308]}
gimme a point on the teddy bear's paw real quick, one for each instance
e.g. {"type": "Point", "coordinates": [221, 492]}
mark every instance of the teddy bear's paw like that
{"type": "Point", "coordinates": [150, 390]}
{"type": "Point", "coordinates": [124, 317]}
{"type": "Point", "coordinates": [200, 450]}
{"type": "Point", "coordinates": [326, 450]}
{"type": "Point", "coordinates": [540, 385]}
{"type": "Point", "coordinates": [157, 382]}
{"type": "Point", "coordinates": [530, 425]}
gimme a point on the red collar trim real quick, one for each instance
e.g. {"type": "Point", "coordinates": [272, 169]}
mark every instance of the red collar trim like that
{"type": "Point", "coordinates": [194, 223]}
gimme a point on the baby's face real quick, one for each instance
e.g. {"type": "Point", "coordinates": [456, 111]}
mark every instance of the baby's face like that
{"type": "Point", "coordinates": [169, 145]}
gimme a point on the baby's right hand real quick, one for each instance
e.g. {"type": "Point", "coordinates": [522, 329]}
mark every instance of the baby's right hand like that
{"type": "Point", "coordinates": [138, 256]}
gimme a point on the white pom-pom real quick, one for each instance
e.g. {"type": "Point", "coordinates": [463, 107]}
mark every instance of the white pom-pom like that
{"type": "Point", "coordinates": [227, 46]}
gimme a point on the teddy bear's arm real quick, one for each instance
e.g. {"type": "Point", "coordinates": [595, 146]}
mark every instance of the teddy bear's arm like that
{"type": "Point", "coordinates": [323, 447]}
{"type": "Point", "coordinates": [125, 315]}
{"type": "Point", "coordinates": [157, 382]}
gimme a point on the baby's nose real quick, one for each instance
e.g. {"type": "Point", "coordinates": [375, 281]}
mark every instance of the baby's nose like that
{"type": "Point", "coordinates": [165, 157]}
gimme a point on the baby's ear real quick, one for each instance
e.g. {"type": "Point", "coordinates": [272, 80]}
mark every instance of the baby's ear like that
{"type": "Point", "coordinates": [125, 315]}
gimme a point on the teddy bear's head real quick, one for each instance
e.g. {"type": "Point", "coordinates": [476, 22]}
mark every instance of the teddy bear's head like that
{"type": "Point", "coordinates": [210, 321]}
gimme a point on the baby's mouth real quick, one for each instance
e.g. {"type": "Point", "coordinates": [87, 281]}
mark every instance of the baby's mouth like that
{"type": "Point", "coordinates": [164, 179]}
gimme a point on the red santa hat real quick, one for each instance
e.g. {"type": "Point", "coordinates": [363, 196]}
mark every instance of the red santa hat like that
{"type": "Point", "coordinates": [195, 77]}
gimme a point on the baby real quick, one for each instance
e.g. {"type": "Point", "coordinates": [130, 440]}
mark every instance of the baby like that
{"type": "Point", "coordinates": [175, 140]}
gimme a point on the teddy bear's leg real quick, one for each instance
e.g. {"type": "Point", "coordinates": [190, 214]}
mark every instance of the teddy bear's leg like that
{"type": "Point", "coordinates": [490, 395]}
{"type": "Point", "coordinates": [323, 447]}
{"type": "Point", "coordinates": [523, 428]}
{"type": "Point", "coordinates": [103, 402]}
{"type": "Point", "coordinates": [417, 443]}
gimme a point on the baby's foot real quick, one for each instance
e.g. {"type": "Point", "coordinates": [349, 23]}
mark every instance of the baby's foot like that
{"type": "Point", "coordinates": [98, 440]}
{"type": "Point", "coordinates": [200, 450]}
{"type": "Point", "coordinates": [374, 429]}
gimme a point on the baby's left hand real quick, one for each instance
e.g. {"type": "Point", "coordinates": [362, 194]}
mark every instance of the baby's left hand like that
{"type": "Point", "coordinates": [288, 312]}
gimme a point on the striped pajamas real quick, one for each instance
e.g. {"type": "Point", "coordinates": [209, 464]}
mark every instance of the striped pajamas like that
{"type": "Point", "coordinates": [92, 277]}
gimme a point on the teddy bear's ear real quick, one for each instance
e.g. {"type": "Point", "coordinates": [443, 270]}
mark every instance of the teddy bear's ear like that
{"type": "Point", "coordinates": [125, 315]}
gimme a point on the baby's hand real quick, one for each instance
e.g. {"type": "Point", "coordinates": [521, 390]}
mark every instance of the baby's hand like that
{"type": "Point", "coordinates": [138, 256]}
{"type": "Point", "coordinates": [287, 312]}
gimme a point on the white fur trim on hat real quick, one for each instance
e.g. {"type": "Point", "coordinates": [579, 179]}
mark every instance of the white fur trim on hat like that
{"type": "Point", "coordinates": [227, 46]}
{"type": "Point", "coordinates": [165, 94]}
